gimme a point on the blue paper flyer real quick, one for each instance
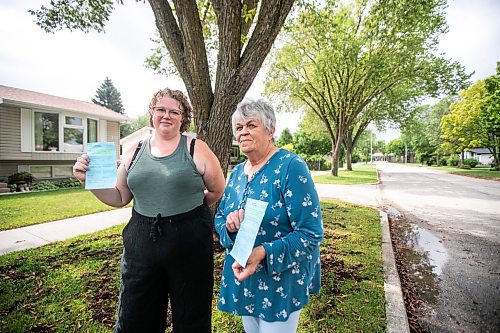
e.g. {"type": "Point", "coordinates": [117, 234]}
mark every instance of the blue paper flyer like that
{"type": "Point", "coordinates": [102, 166]}
{"type": "Point", "coordinates": [245, 239]}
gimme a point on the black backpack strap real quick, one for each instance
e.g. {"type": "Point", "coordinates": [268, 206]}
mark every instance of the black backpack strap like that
{"type": "Point", "coordinates": [135, 154]}
{"type": "Point", "coordinates": [191, 148]}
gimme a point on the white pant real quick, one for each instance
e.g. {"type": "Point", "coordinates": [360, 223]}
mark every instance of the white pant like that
{"type": "Point", "coordinates": [257, 325]}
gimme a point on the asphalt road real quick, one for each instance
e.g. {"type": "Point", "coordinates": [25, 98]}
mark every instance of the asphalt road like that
{"type": "Point", "coordinates": [454, 231]}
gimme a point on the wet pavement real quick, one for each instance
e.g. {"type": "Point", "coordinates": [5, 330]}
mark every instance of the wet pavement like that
{"type": "Point", "coordinates": [449, 237]}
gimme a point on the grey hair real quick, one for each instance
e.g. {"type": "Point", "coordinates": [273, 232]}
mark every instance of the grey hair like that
{"type": "Point", "coordinates": [251, 108]}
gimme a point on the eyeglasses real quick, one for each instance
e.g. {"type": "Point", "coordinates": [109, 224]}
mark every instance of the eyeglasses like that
{"type": "Point", "coordinates": [161, 112]}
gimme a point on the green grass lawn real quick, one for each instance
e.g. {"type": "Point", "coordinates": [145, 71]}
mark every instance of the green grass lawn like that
{"type": "Point", "coordinates": [72, 286]}
{"type": "Point", "coordinates": [25, 209]}
{"type": "Point", "coordinates": [477, 172]}
{"type": "Point", "coordinates": [360, 174]}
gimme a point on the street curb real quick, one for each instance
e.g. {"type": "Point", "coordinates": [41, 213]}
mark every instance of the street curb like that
{"type": "Point", "coordinates": [397, 320]}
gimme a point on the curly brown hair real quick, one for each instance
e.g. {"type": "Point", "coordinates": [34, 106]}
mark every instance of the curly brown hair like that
{"type": "Point", "coordinates": [179, 96]}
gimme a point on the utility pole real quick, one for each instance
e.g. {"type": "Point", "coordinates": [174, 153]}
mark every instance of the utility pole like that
{"type": "Point", "coordinates": [371, 147]}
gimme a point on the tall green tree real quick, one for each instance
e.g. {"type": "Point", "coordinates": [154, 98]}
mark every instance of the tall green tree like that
{"type": "Point", "coordinates": [474, 121]}
{"type": "Point", "coordinates": [285, 138]}
{"type": "Point", "coordinates": [396, 104]}
{"type": "Point", "coordinates": [363, 147]}
{"type": "Point", "coordinates": [339, 58]}
{"type": "Point", "coordinates": [245, 31]}
{"type": "Point", "coordinates": [108, 96]}
{"type": "Point", "coordinates": [422, 130]}
{"type": "Point", "coordinates": [461, 128]}
{"type": "Point", "coordinates": [312, 141]}
{"type": "Point", "coordinates": [414, 135]}
{"type": "Point", "coordinates": [490, 115]}
{"type": "Point", "coordinates": [396, 147]}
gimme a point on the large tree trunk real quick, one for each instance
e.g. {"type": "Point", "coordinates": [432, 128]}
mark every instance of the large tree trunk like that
{"type": "Point", "coordinates": [496, 156]}
{"type": "Point", "coordinates": [236, 70]}
{"type": "Point", "coordinates": [348, 159]}
{"type": "Point", "coordinates": [335, 156]}
{"type": "Point", "coordinates": [348, 148]}
{"type": "Point", "coordinates": [335, 163]}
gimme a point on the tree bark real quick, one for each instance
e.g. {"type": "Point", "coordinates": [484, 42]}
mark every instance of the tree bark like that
{"type": "Point", "coordinates": [348, 158]}
{"type": "Point", "coordinates": [336, 152]}
{"type": "Point", "coordinates": [236, 70]}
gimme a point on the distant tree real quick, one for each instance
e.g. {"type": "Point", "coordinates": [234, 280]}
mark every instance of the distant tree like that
{"type": "Point", "coordinates": [362, 148]}
{"type": "Point", "coordinates": [312, 138]}
{"type": "Point", "coordinates": [422, 131]}
{"type": "Point", "coordinates": [312, 141]}
{"type": "Point", "coordinates": [397, 147]}
{"type": "Point", "coordinates": [127, 129]}
{"type": "Point", "coordinates": [490, 115]}
{"type": "Point", "coordinates": [461, 128]}
{"type": "Point", "coordinates": [108, 96]}
{"type": "Point", "coordinates": [285, 138]}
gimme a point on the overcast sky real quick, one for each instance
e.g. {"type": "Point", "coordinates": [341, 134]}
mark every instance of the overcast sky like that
{"type": "Point", "coordinates": [74, 64]}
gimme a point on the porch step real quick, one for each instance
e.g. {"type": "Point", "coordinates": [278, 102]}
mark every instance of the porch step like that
{"type": "Point", "coordinates": [4, 188]}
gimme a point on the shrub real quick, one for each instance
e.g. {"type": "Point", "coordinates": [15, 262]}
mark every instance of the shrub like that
{"type": "Point", "coordinates": [465, 166]}
{"type": "Point", "coordinates": [453, 160]}
{"type": "Point", "coordinates": [327, 165]}
{"type": "Point", "coordinates": [66, 183]}
{"type": "Point", "coordinates": [53, 185]}
{"type": "Point", "coordinates": [472, 162]}
{"type": "Point", "coordinates": [443, 162]}
{"type": "Point", "coordinates": [355, 158]}
{"type": "Point", "coordinates": [44, 185]}
{"type": "Point", "coordinates": [21, 177]}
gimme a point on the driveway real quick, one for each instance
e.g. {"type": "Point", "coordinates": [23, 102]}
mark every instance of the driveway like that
{"type": "Point", "coordinates": [454, 232]}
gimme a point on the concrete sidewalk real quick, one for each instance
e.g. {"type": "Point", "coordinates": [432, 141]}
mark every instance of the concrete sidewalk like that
{"type": "Point", "coordinates": [46, 233]}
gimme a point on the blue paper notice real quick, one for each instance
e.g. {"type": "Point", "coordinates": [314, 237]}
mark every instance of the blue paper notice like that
{"type": "Point", "coordinates": [245, 239]}
{"type": "Point", "coordinates": [102, 166]}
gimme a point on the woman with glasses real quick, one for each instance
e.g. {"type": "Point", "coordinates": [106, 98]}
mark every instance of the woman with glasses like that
{"type": "Point", "coordinates": [276, 188]}
{"type": "Point", "coordinates": [168, 244]}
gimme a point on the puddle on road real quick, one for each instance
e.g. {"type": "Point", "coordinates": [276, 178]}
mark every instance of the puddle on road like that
{"type": "Point", "coordinates": [421, 258]}
{"type": "Point", "coordinates": [431, 245]}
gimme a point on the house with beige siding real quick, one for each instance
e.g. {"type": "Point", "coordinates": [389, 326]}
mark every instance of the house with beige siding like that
{"type": "Point", "coordinates": [44, 134]}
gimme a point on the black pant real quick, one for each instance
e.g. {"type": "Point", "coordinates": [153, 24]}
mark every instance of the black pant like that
{"type": "Point", "coordinates": [167, 258]}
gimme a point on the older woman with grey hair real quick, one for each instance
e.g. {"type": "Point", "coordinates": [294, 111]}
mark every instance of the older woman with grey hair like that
{"type": "Point", "coordinates": [283, 269]}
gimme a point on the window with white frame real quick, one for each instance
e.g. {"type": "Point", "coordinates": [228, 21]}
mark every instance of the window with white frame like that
{"type": "Point", "coordinates": [56, 132]}
{"type": "Point", "coordinates": [73, 134]}
{"type": "Point", "coordinates": [91, 130]}
{"type": "Point", "coordinates": [46, 131]}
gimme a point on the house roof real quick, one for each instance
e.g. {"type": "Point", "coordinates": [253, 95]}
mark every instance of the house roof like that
{"type": "Point", "coordinates": [480, 150]}
{"type": "Point", "coordinates": [27, 98]}
{"type": "Point", "coordinates": [140, 133]}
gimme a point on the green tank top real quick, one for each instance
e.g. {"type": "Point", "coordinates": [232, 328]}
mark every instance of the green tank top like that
{"type": "Point", "coordinates": [167, 185]}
